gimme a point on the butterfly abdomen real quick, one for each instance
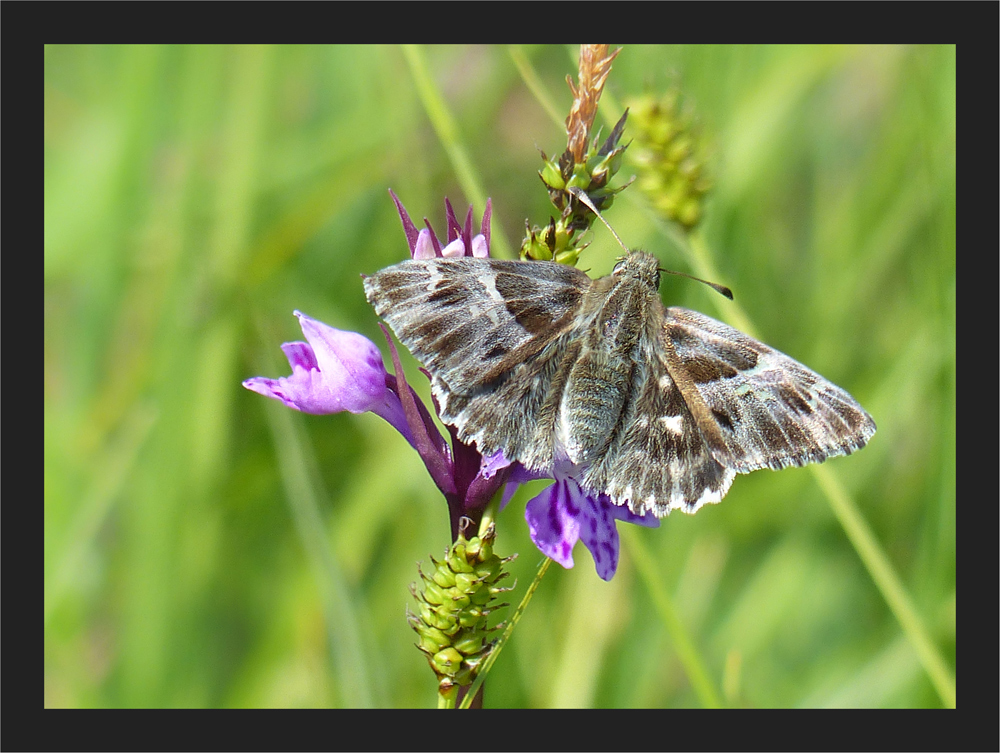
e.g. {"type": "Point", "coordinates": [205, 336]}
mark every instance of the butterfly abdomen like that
{"type": "Point", "coordinates": [592, 404]}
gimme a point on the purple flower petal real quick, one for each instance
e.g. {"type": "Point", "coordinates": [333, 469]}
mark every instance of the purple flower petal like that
{"type": "Point", "coordinates": [460, 241]}
{"type": "Point", "coordinates": [334, 371]}
{"type": "Point", "coordinates": [553, 524]}
{"type": "Point", "coordinates": [484, 228]}
{"type": "Point", "coordinates": [424, 247]}
{"type": "Point", "coordinates": [435, 243]}
{"type": "Point", "coordinates": [454, 249]}
{"type": "Point", "coordinates": [492, 474]}
{"type": "Point", "coordinates": [599, 535]}
{"type": "Point", "coordinates": [454, 229]}
{"type": "Point", "coordinates": [350, 363]}
{"type": "Point", "coordinates": [564, 513]}
{"type": "Point", "coordinates": [467, 228]}
{"type": "Point", "coordinates": [408, 227]}
{"type": "Point", "coordinates": [300, 355]}
{"type": "Point", "coordinates": [480, 247]}
{"type": "Point", "coordinates": [493, 463]}
{"type": "Point", "coordinates": [622, 513]}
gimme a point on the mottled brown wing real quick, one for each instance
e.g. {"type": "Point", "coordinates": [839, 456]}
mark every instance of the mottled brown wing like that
{"type": "Point", "coordinates": [756, 407]}
{"type": "Point", "coordinates": [492, 334]}
{"type": "Point", "coordinates": [659, 461]}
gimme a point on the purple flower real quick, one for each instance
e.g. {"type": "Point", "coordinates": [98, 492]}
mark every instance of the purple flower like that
{"type": "Point", "coordinates": [334, 371]}
{"type": "Point", "coordinates": [564, 513]}
{"type": "Point", "coordinates": [424, 244]}
{"type": "Point", "coordinates": [338, 371]}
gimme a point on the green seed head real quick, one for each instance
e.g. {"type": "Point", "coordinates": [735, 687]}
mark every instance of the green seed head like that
{"type": "Point", "coordinates": [455, 600]}
{"type": "Point", "coordinates": [669, 151]}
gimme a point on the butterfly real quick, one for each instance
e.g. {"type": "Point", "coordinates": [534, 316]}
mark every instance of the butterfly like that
{"type": "Point", "coordinates": [657, 407]}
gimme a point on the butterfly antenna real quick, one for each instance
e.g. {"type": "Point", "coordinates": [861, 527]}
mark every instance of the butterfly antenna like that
{"type": "Point", "coordinates": [713, 285]}
{"type": "Point", "coordinates": [582, 196]}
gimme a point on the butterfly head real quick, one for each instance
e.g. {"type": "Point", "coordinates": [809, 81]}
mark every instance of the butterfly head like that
{"type": "Point", "coordinates": [639, 265]}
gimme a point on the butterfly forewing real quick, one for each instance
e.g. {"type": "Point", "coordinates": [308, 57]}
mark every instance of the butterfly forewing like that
{"type": "Point", "coordinates": [493, 335]}
{"type": "Point", "coordinates": [770, 410]}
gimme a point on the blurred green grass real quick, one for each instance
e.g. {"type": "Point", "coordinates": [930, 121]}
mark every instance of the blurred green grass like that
{"type": "Point", "coordinates": [205, 547]}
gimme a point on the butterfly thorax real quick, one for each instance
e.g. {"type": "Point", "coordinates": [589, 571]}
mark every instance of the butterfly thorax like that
{"type": "Point", "coordinates": [617, 313]}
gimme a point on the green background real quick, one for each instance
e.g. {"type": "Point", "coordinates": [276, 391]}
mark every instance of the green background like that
{"type": "Point", "coordinates": [206, 547]}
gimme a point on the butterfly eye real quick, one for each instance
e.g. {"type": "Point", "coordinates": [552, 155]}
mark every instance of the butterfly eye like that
{"type": "Point", "coordinates": [618, 267]}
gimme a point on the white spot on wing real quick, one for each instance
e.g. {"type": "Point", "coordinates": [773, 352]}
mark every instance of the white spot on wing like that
{"type": "Point", "coordinates": [488, 281]}
{"type": "Point", "coordinates": [672, 423]}
{"type": "Point", "coordinates": [434, 278]}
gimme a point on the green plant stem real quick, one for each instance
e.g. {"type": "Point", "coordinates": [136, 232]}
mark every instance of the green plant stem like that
{"type": "Point", "coordinates": [888, 583]}
{"type": "Point", "coordinates": [514, 618]}
{"type": "Point", "coordinates": [447, 700]}
{"type": "Point", "coordinates": [447, 132]}
{"type": "Point", "coordinates": [692, 661]}
{"type": "Point", "coordinates": [489, 514]}
{"type": "Point", "coordinates": [534, 83]}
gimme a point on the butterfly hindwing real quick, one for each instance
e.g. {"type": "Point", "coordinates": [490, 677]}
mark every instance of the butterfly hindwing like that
{"type": "Point", "coordinates": [659, 460]}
